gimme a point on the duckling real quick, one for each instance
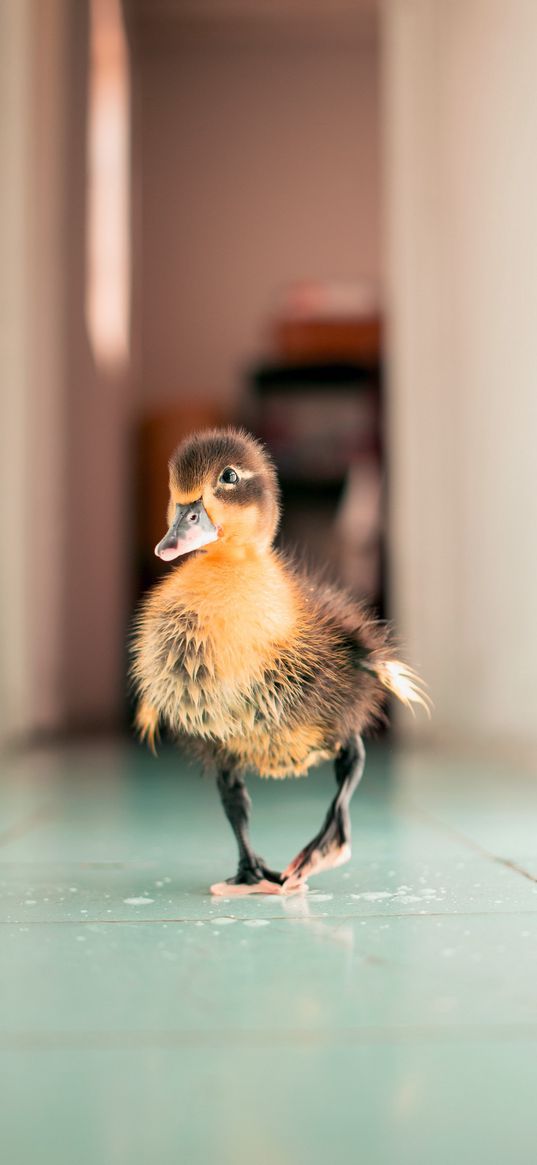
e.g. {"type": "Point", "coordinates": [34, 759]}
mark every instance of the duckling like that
{"type": "Point", "coordinates": [257, 664]}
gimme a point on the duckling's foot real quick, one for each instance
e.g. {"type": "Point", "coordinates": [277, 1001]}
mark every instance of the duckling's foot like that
{"type": "Point", "coordinates": [323, 853]}
{"type": "Point", "coordinates": [240, 889]}
{"type": "Point", "coordinates": [331, 846]}
{"type": "Point", "coordinates": [256, 879]}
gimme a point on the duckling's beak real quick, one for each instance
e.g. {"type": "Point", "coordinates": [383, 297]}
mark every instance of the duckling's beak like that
{"type": "Point", "coordinates": [190, 529]}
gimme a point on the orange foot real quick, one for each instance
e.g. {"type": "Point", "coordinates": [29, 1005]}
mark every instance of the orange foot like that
{"type": "Point", "coordinates": [314, 858]}
{"type": "Point", "coordinates": [254, 877]}
{"type": "Point", "coordinates": [264, 886]}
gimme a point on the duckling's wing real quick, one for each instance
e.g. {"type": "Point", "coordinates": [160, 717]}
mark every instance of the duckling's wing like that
{"type": "Point", "coordinates": [369, 642]}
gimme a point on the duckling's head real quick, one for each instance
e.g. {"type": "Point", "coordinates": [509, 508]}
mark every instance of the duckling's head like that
{"type": "Point", "coordinates": [223, 489]}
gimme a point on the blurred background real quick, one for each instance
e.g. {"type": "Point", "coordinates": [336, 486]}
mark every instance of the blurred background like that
{"type": "Point", "coordinates": [315, 219]}
{"type": "Point", "coordinates": [318, 219]}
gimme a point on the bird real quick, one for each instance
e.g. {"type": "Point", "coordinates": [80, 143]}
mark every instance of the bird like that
{"type": "Point", "coordinates": [253, 660]}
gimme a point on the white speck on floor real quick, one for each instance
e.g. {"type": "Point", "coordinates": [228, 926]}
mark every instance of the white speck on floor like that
{"type": "Point", "coordinates": [321, 897]}
{"type": "Point", "coordinates": [30, 902]}
{"type": "Point", "coordinates": [373, 895]}
{"type": "Point", "coordinates": [224, 921]}
{"type": "Point", "coordinates": [257, 922]}
{"type": "Point", "coordinates": [73, 890]}
{"type": "Point", "coordinates": [80, 938]}
{"type": "Point", "coordinates": [399, 895]}
{"type": "Point", "coordinates": [138, 901]}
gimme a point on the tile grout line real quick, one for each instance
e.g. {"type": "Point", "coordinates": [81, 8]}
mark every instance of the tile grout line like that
{"type": "Point", "coordinates": [452, 831]}
{"type": "Point", "coordinates": [306, 919]}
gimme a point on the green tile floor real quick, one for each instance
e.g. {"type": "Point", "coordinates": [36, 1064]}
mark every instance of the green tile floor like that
{"type": "Point", "coordinates": [388, 1016]}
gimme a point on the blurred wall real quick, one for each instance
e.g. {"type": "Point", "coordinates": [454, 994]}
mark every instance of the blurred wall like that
{"type": "Point", "coordinates": [32, 231]}
{"type": "Point", "coordinates": [461, 196]}
{"type": "Point", "coordinates": [64, 421]}
{"type": "Point", "coordinates": [260, 166]}
{"type": "Point", "coordinates": [97, 491]}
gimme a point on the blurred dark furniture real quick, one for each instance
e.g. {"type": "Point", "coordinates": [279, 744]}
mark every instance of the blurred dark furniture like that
{"type": "Point", "coordinates": [321, 420]}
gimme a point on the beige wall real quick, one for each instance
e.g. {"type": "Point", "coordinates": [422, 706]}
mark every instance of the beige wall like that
{"type": "Point", "coordinates": [97, 491]}
{"type": "Point", "coordinates": [260, 165]}
{"type": "Point", "coordinates": [461, 185]}
{"type": "Point", "coordinates": [32, 226]}
{"type": "Point", "coordinates": [64, 424]}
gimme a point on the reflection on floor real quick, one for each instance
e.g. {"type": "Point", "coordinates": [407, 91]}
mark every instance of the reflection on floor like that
{"type": "Point", "coordinates": [389, 1016]}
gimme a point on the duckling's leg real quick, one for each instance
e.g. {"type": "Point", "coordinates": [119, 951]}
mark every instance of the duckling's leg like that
{"type": "Point", "coordinates": [331, 846]}
{"type": "Point", "coordinates": [253, 876]}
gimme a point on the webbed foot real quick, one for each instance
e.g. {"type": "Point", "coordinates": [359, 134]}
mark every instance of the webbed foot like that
{"type": "Point", "coordinates": [328, 850]}
{"type": "Point", "coordinates": [256, 878]}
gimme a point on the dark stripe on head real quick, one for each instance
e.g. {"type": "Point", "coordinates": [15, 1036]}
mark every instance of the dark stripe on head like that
{"type": "Point", "coordinates": [245, 492]}
{"type": "Point", "coordinates": [202, 457]}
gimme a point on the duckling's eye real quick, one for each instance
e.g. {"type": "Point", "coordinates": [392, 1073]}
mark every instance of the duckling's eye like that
{"type": "Point", "coordinates": [229, 476]}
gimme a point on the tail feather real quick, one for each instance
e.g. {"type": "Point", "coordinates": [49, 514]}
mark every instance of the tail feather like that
{"type": "Point", "coordinates": [402, 682]}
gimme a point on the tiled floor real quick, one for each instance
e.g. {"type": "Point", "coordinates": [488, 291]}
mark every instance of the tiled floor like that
{"type": "Point", "coordinates": [389, 1016]}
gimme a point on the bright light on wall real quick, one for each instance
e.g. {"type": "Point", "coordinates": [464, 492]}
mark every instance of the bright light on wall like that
{"type": "Point", "coordinates": [108, 227]}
